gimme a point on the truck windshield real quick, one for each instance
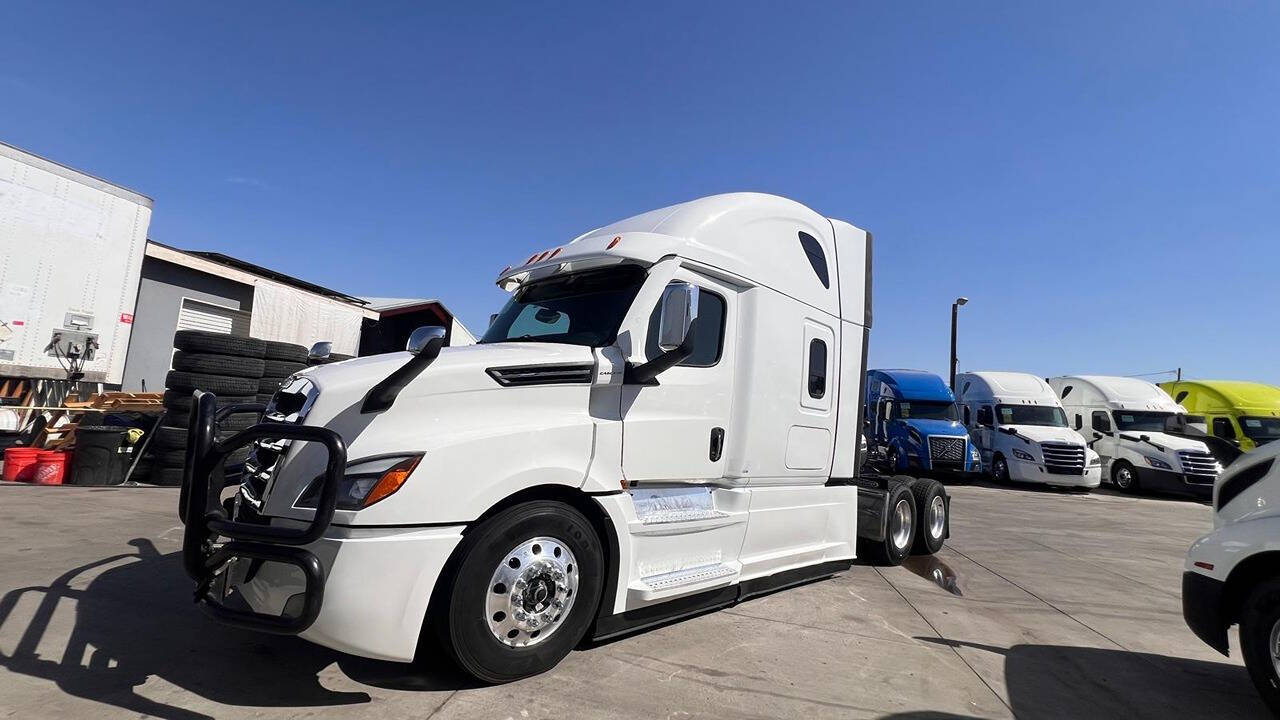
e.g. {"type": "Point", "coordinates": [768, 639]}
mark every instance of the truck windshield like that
{"type": "Point", "coordinates": [925, 410]}
{"type": "Point", "coordinates": [582, 308]}
{"type": "Point", "coordinates": [1145, 420]}
{"type": "Point", "coordinates": [1261, 429]}
{"type": "Point", "coordinates": [1051, 416]}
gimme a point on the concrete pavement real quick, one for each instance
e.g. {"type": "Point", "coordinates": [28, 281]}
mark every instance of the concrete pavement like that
{"type": "Point", "coordinates": [1043, 604]}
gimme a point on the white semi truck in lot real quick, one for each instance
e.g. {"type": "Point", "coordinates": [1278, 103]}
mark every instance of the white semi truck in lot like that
{"type": "Point", "coordinates": [1127, 418]}
{"type": "Point", "coordinates": [1020, 427]}
{"type": "Point", "coordinates": [663, 419]}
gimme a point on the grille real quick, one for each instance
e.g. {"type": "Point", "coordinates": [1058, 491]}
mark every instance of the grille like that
{"type": "Point", "coordinates": [946, 451]}
{"type": "Point", "coordinates": [1201, 468]}
{"type": "Point", "coordinates": [542, 374]}
{"type": "Point", "coordinates": [1063, 458]}
{"type": "Point", "coordinates": [289, 405]}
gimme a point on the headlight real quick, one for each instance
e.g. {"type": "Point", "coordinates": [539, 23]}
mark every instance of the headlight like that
{"type": "Point", "coordinates": [973, 453]}
{"type": "Point", "coordinates": [1021, 455]}
{"type": "Point", "coordinates": [366, 481]}
{"type": "Point", "coordinates": [1095, 460]}
{"type": "Point", "coordinates": [1157, 463]}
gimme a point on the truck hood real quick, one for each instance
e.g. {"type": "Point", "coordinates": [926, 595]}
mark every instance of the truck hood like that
{"type": "Point", "coordinates": [937, 427]}
{"type": "Point", "coordinates": [457, 369]}
{"type": "Point", "coordinates": [453, 412]}
{"type": "Point", "coordinates": [1172, 442]}
{"type": "Point", "coordinates": [1047, 433]}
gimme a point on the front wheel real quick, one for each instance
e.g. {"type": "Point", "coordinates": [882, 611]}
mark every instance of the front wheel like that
{"type": "Point", "coordinates": [1260, 640]}
{"type": "Point", "coordinates": [1000, 470]}
{"type": "Point", "coordinates": [524, 589]}
{"type": "Point", "coordinates": [1124, 476]}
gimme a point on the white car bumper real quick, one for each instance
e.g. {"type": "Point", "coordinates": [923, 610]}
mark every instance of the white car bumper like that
{"type": "Point", "coordinates": [378, 582]}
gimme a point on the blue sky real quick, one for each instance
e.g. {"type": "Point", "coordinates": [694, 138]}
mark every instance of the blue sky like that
{"type": "Point", "coordinates": [1102, 180]}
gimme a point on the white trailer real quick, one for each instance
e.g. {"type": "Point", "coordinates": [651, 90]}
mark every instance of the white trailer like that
{"type": "Point", "coordinates": [664, 419]}
{"type": "Point", "coordinates": [1021, 429]}
{"type": "Point", "coordinates": [71, 249]}
{"type": "Point", "coordinates": [1126, 419]}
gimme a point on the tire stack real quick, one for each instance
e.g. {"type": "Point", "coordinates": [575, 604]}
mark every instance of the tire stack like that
{"type": "Point", "coordinates": [282, 359]}
{"type": "Point", "coordinates": [231, 368]}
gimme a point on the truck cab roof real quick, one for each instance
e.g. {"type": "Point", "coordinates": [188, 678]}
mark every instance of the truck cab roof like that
{"type": "Point", "coordinates": [1005, 387]}
{"type": "Point", "coordinates": [1225, 395]}
{"type": "Point", "coordinates": [1115, 392]}
{"type": "Point", "coordinates": [764, 239]}
{"type": "Point", "coordinates": [908, 385]}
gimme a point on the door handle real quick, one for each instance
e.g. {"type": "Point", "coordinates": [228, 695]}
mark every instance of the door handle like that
{"type": "Point", "coordinates": [717, 443]}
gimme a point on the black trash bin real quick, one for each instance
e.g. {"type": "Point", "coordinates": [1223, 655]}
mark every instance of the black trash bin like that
{"type": "Point", "coordinates": [96, 460]}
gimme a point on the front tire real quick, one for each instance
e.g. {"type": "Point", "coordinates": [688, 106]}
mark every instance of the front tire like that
{"type": "Point", "coordinates": [1260, 640]}
{"type": "Point", "coordinates": [1124, 477]}
{"type": "Point", "coordinates": [523, 591]}
{"type": "Point", "coordinates": [1000, 470]}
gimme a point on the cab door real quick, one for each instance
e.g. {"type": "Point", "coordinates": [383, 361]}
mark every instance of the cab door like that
{"type": "Point", "coordinates": [676, 429]}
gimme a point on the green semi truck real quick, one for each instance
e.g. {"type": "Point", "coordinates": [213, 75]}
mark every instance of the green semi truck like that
{"type": "Point", "coordinates": [1246, 413]}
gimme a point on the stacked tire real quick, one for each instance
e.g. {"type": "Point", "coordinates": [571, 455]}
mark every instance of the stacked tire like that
{"type": "Point", "coordinates": [280, 360]}
{"type": "Point", "coordinates": [231, 368]}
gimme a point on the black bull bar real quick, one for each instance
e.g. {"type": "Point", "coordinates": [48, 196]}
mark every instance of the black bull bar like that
{"type": "Point", "coordinates": [200, 508]}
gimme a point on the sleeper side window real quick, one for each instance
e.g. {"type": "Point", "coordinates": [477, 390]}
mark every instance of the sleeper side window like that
{"type": "Point", "coordinates": [1101, 422]}
{"type": "Point", "coordinates": [708, 332]}
{"type": "Point", "coordinates": [817, 368]}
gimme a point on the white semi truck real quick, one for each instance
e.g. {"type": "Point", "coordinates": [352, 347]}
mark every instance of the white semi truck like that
{"type": "Point", "coordinates": [1020, 427]}
{"type": "Point", "coordinates": [663, 419]}
{"type": "Point", "coordinates": [1126, 419]}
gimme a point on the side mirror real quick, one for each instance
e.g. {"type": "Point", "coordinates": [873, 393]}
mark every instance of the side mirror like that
{"type": "Point", "coordinates": [679, 310]}
{"type": "Point", "coordinates": [424, 345]}
{"type": "Point", "coordinates": [1097, 435]}
{"type": "Point", "coordinates": [426, 338]}
{"type": "Point", "coordinates": [320, 351]}
{"type": "Point", "coordinates": [676, 313]}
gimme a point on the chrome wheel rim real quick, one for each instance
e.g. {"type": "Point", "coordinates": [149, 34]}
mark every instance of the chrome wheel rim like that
{"type": "Point", "coordinates": [1124, 477]}
{"type": "Point", "coordinates": [900, 524]}
{"type": "Point", "coordinates": [531, 592]}
{"type": "Point", "coordinates": [1274, 646]}
{"type": "Point", "coordinates": [1002, 470]}
{"type": "Point", "coordinates": [937, 516]}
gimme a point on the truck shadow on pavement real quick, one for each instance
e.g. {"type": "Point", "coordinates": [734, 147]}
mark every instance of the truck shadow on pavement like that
{"type": "Point", "coordinates": [1061, 681]}
{"type": "Point", "coordinates": [134, 620]}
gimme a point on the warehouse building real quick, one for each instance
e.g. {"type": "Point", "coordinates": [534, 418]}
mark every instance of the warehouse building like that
{"type": "Point", "coordinates": [189, 290]}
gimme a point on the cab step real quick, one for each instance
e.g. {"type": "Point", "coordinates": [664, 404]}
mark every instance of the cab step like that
{"type": "Point", "coordinates": [689, 576]}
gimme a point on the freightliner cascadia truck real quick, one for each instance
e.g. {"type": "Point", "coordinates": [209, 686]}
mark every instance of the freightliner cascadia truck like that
{"type": "Point", "coordinates": [663, 419]}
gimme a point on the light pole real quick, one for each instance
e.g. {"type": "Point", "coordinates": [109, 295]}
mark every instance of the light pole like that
{"type": "Point", "coordinates": [955, 306]}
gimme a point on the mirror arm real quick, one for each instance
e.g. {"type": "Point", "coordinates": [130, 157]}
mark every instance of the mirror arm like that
{"type": "Point", "coordinates": [647, 373]}
{"type": "Point", "coordinates": [381, 396]}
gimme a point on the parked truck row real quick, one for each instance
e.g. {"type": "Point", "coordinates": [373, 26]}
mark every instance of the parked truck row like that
{"type": "Point", "coordinates": [1073, 431]}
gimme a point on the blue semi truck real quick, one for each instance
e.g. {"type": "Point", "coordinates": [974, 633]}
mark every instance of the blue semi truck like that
{"type": "Point", "coordinates": [913, 425]}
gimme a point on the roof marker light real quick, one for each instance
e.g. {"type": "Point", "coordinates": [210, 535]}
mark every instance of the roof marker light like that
{"type": "Point", "coordinates": [554, 253]}
{"type": "Point", "coordinates": [504, 270]}
{"type": "Point", "coordinates": [531, 258]}
{"type": "Point", "coordinates": [543, 256]}
{"type": "Point", "coordinates": [613, 242]}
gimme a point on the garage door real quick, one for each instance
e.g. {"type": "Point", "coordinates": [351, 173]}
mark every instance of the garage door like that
{"type": "Point", "coordinates": [197, 315]}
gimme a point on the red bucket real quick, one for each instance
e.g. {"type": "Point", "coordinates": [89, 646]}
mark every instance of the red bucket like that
{"type": "Point", "coordinates": [20, 463]}
{"type": "Point", "coordinates": [51, 466]}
